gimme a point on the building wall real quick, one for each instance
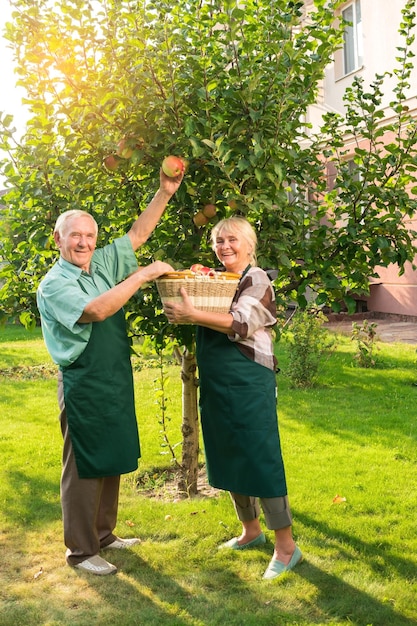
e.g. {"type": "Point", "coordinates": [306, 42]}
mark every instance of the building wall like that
{"type": "Point", "coordinates": [390, 293]}
{"type": "Point", "coordinates": [381, 20]}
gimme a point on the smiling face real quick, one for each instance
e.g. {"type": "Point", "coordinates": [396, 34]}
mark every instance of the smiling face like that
{"type": "Point", "coordinates": [76, 240]}
{"type": "Point", "coordinates": [233, 250]}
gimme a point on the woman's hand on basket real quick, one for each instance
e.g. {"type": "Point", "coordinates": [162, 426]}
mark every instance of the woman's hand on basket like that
{"type": "Point", "coordinates": [180, 312]}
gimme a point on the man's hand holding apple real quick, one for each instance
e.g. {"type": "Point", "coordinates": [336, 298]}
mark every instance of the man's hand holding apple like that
{"type": "Point", "coordinates": [168, 184]}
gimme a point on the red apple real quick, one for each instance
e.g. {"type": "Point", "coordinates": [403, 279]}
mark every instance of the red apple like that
{"type": "Point", "coordinates": [173, 166]}
{"type": "Point", "coordinates": [111, 162]}
{"type": "Point", "coordinates": [210, 210]}
{"type": "Point", "coordinates": [200, 219]}
{"type": "Point", "coordinates": [232, 203]}
{"type": "Point", "coordinates": [199, 268]}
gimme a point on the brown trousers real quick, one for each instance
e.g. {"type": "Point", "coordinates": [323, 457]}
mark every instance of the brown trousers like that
{"type": "Point", "coordinates": [276, 510]}
{"type": "Point", "coordinates": [89, 505]}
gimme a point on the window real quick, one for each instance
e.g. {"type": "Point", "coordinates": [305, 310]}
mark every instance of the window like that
{"type": "Point", "coordinates": [352, 46]}
{"type": "Point", "coordinates": [354, 171]}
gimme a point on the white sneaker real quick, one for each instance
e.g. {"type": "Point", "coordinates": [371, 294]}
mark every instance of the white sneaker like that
{"type": "Point", "coordinates": [121, 544]}
{"type": "Point", "coordinates": [97, 565]}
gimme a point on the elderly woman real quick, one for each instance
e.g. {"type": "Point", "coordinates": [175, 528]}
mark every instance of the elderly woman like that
{"type": "Point", "coordinates": [238, 397]}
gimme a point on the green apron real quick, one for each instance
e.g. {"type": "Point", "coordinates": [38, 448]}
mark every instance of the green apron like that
{"type": "Point", "coordinates": [238, 419]}
{"type": "Point", "coordinates": [99, 401]}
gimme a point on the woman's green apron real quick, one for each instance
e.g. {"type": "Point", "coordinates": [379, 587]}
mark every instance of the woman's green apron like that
{"type": "Point", "coordinates": [239, 419]}
{"type": "Point", "coordinates": [99, 401]}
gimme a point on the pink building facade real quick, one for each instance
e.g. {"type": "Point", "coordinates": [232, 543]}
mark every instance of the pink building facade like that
{"type": "Point", "coordinates": [370, 48]}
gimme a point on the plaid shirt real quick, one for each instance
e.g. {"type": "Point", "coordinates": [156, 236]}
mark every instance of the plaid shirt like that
{"type": "Point", "coordinates": [254, 314]}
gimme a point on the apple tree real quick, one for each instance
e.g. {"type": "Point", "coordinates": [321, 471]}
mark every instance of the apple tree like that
{"type": "Point", "coordinates": [114, 87]}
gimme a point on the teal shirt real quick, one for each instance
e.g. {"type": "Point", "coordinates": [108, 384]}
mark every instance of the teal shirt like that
{"type": "Point", "coordinates": [66, 290]}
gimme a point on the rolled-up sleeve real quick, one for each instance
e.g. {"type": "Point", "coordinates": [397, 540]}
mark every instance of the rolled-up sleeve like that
{"type": "Point", "coordinates": [254, 315]}
{"type": "Point", "coordinates": [255, 306]}
{"type": "Point", "coordinates": [66, 290]}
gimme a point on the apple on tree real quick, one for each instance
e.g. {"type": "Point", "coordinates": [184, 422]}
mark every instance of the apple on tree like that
{"type": "Point", "coordinates": [200, 219]}
{"type": "Point", "coordinates": [173, 166]}
{"type": "Point", "coordinates": [111, 162]}
{"type": "Point", "coordinates": [209, 210]}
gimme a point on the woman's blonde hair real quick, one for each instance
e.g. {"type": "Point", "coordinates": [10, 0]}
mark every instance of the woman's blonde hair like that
{"type": "Point", "coordinates": [67, 215]}
{"type": "Point", "coordinates": [238, 225]}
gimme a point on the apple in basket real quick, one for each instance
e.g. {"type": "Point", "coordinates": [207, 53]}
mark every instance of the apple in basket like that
{"type": "Point", "coordinates": [199, 268]}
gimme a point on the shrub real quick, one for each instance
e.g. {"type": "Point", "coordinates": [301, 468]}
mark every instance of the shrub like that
{"type": "Point", "coordinates": [365, 337]}
{"type": "Point", "coordinates": [308, 344]}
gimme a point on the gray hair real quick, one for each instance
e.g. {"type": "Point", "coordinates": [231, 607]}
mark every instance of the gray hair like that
{"type": "Point", "coordinates": [67, 215]}
{"type": "Point", "coordinates": [238, 225]}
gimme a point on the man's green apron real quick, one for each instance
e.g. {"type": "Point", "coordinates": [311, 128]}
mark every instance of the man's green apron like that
{"type": "Point", "coordinates": [239, 419]}
{"type": "Point", "coordinates": [99, 401]}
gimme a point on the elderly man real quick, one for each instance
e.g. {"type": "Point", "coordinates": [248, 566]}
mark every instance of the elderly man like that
{"type": "Point", "coordinates": [80, 301]}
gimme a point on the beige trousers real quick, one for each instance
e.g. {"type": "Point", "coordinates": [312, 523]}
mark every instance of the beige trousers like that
{"type": "Point", "coordinates": [89, 505]}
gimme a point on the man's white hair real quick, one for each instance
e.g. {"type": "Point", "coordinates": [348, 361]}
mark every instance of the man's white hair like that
{"type": "Point", "coordinates": [67, 215]}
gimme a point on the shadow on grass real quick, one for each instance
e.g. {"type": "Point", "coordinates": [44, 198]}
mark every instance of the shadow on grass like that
{"type": "Point", "coordinates": [336, 597]}
{"type": "Point", "coordinates": [145, 592]}
{"type": "Point", "coordinates": [340, 600]}
{"type": "Point", "coordinates": [32, 500]}
{"type": "Point", "coordinates": [141, 593]}
{"type": "Point", "coordinates": [228, 600]}
{"type": "Point", "coordinates": [214, 595]}
{"type": "Point", "coordinates": [373, 552]}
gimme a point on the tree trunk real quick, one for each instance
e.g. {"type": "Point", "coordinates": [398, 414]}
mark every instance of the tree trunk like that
{"type": "Point", "coordinates": [187, 484]}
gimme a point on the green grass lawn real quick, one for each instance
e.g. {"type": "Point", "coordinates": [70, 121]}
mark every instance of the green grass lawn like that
{"type": "Point", "coordinates": [352, 435]}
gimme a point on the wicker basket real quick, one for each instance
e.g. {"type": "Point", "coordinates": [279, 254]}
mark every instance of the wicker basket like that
{"type": "Point", "coordinates": [211, 292]}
